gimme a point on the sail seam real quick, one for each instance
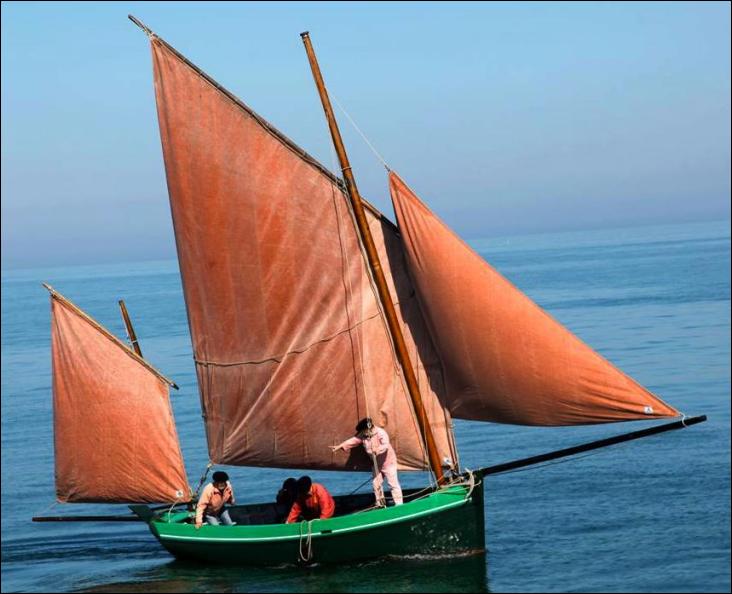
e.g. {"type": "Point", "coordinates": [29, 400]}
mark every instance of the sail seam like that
{"type": "Point", "coordinates": [279, 358]}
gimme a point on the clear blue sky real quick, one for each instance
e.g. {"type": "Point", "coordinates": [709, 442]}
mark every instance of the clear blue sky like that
{"type": "Point", "coordinates": [506, 118]}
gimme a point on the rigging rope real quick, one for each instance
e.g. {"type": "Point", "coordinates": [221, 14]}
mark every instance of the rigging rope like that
{"type": "Point", "coordinates": [348, 293]}
{"type": "Point", "coordinates": [361, 485]}
{"type": "Point", "coordinates": [386, 166]}
{"type": "Point", "coordinates": [349, 290]}
{"type": "Point", "coordinates": [203, 478]}
{"type": "Point", "coordinates": [372, 282]}
{"type": "Point", "coordinates": [170, 509]}
{"type": "Point", "coordinates": [398, 374]}
{"type": "Point", "coordinates": [53, 504]}
{"type": "Point", "coordinates": [366, 140]}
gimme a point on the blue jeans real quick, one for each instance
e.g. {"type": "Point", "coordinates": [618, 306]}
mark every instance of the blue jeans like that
{"type": "Point", "coordinates": [223, 518]}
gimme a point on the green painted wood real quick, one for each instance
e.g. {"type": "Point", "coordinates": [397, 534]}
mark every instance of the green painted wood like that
{"type": "Point", "coordinates": [448, 521]}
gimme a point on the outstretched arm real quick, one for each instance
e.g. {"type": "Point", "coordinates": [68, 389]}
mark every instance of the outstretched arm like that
{"type": "Point", "coordinates": [349, 444]}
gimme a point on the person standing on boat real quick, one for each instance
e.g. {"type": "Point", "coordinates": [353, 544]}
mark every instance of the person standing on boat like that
{"type": "Point", "coordinates": [212, 500]}
{"type": "Point", "coordinates": [313, 502]}
{"type": "Point", "coordinates": [375, 441]}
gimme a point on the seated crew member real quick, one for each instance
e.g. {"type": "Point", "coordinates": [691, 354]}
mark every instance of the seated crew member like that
{"type": "Point", "coordinates": [285, 498]}
{"type": "Point", "coordinates": [212, 500]}
{"type": "Point", "coordinates": [288, 493]}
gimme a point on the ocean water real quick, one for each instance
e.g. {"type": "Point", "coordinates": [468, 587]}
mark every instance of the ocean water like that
{"type": "Point", "coordinates": [652, 515]}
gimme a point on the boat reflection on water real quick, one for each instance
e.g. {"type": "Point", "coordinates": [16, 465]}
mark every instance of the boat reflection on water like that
{"type": "Point", "coordinates": [414, 574]}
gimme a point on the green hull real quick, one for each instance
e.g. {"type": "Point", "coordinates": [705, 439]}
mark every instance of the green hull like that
{"type": "Point", "coordinates": [444, 522]}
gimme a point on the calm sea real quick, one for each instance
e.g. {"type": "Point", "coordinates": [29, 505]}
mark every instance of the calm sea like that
{"type": "Point", "coordinates": [651, 515]}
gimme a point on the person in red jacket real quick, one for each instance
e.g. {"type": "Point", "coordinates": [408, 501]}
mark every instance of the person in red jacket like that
{"type": "Point", "coordinates": [313, 502]}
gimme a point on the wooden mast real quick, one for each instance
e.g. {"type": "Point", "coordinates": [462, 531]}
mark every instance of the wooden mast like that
{"type": "Point", "coordinates": [61, 299]}
{"type": "Point", "coordinates": [130, 330]}
{"type": "Point", "coordinates": [375, 265]}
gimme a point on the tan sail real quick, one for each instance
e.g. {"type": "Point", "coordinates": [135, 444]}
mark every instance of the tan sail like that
{"type": "Point", "coordinates": [114, 435]}
{"type": "Point", "coordinates": [506, 360]}
{"type": "Point", "coordinates": [291, 348]}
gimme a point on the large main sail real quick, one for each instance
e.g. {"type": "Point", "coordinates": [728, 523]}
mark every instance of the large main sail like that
{"type": "Point", "coordinates": [505, 359]}
{"type": "Point", "coordinates": [114, 435]}
{"type": "Point", "coordinates": [290, 345]}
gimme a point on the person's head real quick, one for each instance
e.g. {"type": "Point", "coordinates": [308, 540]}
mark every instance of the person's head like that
{"type": "Point", "coordinates": [288, 493]}
{"type": "Point", "coordinates": [364, 426]}
{"type": "Point", "coordinates": [303, 486]}
{"type": "Point", "coordinates": [290, 485]}
{"type": "Point", "coordinates": [219, 479]}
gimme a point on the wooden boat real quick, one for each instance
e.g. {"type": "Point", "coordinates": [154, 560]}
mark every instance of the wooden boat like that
{"type": "Point", "coordinates": [447, 521]}
{"type": "Point", "coordinates": [308, 311]}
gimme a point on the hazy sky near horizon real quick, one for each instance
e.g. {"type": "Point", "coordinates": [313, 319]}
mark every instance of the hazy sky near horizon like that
{"type": "Point", "coordinates": [506, 118]}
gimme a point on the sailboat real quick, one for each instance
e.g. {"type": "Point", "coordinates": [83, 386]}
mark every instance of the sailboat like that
{"type": "Point", "coordinates": [308, 311]}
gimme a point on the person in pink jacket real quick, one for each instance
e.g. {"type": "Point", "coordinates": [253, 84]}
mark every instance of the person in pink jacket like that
{"type": "Point", "coordinates": [375, 441]}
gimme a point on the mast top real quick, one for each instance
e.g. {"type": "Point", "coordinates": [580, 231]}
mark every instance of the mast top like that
{"type": "Point", "coordinates": [139, 23]}
{"type": "Point", "coordinates": [372, 257]}
{"type": "Point", "coordinates": [131, 352]}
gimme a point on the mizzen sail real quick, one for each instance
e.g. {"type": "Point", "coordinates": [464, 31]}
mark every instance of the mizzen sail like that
{"type": "Point", "coordinates": [290, 345]}
{"type": "Point", "coordinates": [114, 435]}
{"type": "Point", "coordinates": [505, 359]}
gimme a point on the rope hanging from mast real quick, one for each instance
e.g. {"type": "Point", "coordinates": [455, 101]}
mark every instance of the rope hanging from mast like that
{"type": "Point", "coordinates": [375, 266]}
{"type": "Point", "coordinates": [372, 283]}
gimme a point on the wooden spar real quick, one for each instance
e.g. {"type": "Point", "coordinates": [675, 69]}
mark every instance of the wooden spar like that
{"type": "Point", "coordinates": [375, 265]}
{"type": "Point", "coordinates": [140, 24]}
{"type": "Point", "coordinates": [116, 518]}
{"type": "Point", "coordinates": [129, 518]}
{"type": "Point", "coordinates": [592, 445]}
{"type": "Point", "coordinates": [66, 303]}
{"type": "Point", "coordinates": [130, 330]}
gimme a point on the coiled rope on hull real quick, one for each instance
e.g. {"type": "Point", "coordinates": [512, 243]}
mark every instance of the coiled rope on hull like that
{"type": "Point", "coordinates": [306, 539]}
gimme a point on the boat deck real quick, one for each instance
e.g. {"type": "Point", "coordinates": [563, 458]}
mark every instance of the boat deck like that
{"type": "Point", "coordinates": [272, 513]}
